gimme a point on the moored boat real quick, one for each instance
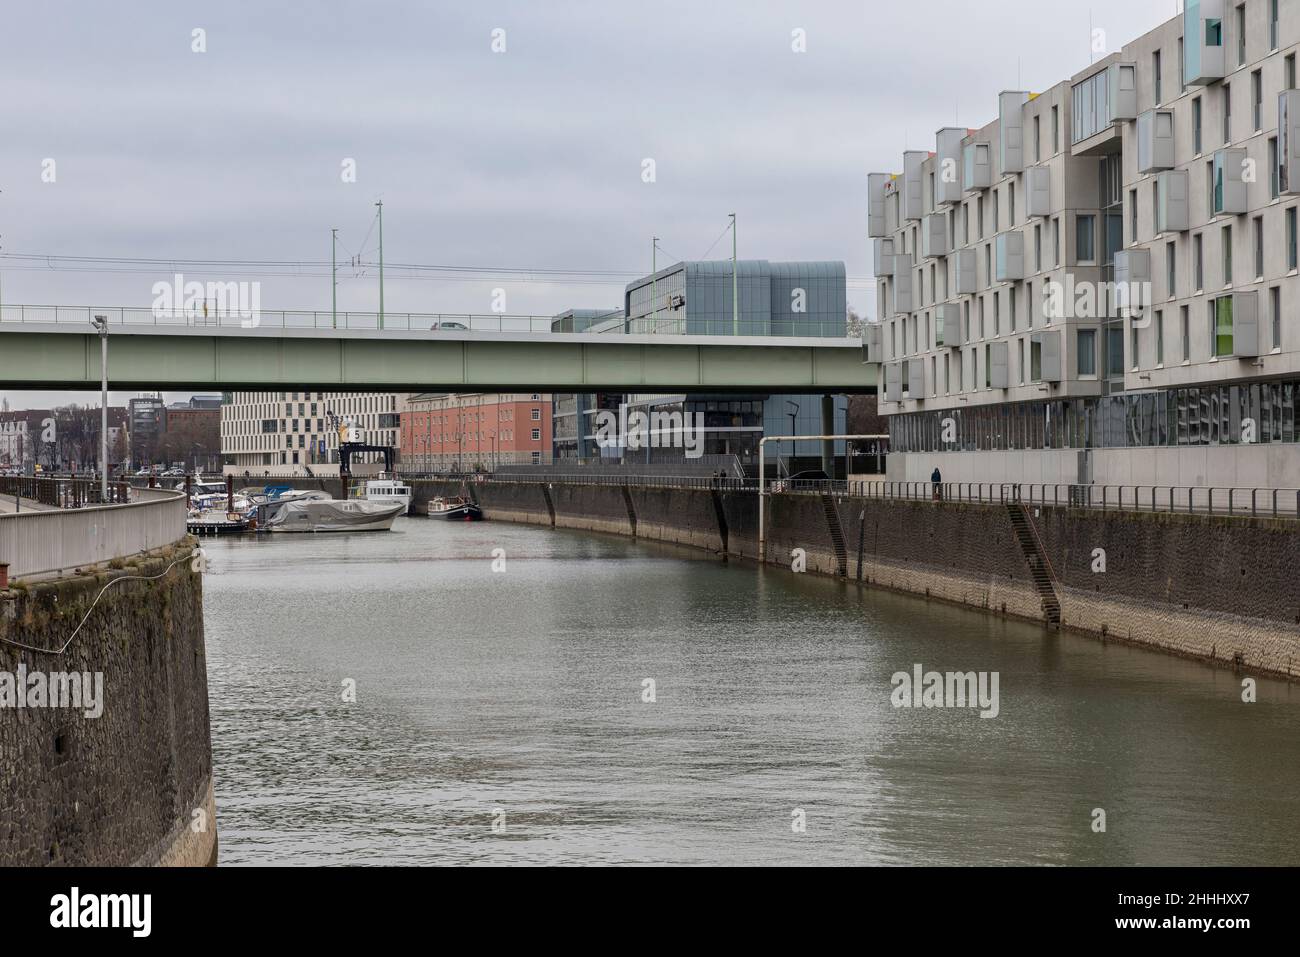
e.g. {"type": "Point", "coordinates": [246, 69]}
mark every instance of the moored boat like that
{"type": "Point", "coordinates": [327, 515]}
{"type": "Point", "coordinates": [455, 508]}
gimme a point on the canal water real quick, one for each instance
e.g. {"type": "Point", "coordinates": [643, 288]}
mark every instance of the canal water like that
{"type": "Point", "coordinates": [501, 717]}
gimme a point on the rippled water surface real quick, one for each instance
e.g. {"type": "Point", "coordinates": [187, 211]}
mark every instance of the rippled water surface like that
{"type": "Point", "coordinates": [515, 698]}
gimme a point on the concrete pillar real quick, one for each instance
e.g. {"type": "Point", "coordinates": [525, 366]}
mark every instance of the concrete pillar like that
{"type": "Point", "coordinates": [828, 428]}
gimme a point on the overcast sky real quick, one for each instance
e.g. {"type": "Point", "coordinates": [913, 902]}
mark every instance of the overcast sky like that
{"type": "Point", "coordinates": [531, 157]}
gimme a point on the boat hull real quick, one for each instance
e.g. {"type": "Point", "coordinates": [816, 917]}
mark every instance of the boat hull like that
{"type": "Point", "coordinates": [330, 516]}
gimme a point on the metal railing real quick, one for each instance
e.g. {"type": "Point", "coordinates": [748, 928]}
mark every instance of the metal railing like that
{"type": "Point", "coordinates": [53, 541]}
{"type": "Point", "coordinates": [1226, 500]}
{"type": "Point", "coordinates": [436, 322]}
{"type": "Point", "coordinates": [58, 492]}
{"type": "Point", "coordinates": [726, 483]}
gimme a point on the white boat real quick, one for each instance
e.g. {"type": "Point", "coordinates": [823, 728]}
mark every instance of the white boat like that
{"type": "Point", "coordinates": [327, 515]}
{"type": "Point", "coordinates": [385, 489]}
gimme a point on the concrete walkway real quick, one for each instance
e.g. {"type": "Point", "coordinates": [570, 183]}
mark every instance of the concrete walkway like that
{"type": "Point", "coordinates": [28, 505]}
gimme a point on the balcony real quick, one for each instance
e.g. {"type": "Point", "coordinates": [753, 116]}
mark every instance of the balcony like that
{"type": "Point", "coordinates": [871, 340]}
{"type": "Point", "coordinates": [977, 172]}
{"type": "Point", "coordinates": [1045, 356]}
{"type": "Point", "coordinates": [1204, 60]}
{"type": "Point", "coordinates": [1172, 206]}
{"type": "Point", "coordinates": [883, 257]}
{"type": "Point", "coordinates": [894, 381]}
{"type": "Point", "coordinates": [902, 284]}
{"type": "Point", "coordinates": [1009, 256]}
{"type": "Point", "coordinates": [947, 178]}
{"type": "Point", "coordinates": [1011, 130]}
{"type": "Point", "coordinates": [1155, 141]}
{"type": "Point", "coordinates": [876, 182]}
{"type": "Point", "coordinates": [934, 236]}
{"type": "Point", "coordinates": [1133, 282]}
{"type": "Point", "coordinates": [966, 274]}
{"type": "Point", "coordinates": [1121, 85]}
{"type": "Point", "coordinates": [947, 326]}
{"type": "Point", "coordinates": [1038, 191]}
{"type": "Point", "coordinates": [1236, 325]}
{"type": "Point", "coordinates": [913, 205]}
{"type": "Point", "coordinates": [1229, 193]}
{"type": "Point", "coordinates": [999, 359]}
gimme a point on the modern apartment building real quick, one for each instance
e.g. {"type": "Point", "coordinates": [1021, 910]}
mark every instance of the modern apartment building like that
{"type": "Point", "coordinates": [275, 432]}
{"type": "Point", "coordinates": [1101, 285]}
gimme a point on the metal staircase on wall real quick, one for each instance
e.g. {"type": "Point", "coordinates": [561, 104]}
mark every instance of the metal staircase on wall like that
{"type": "Point", "coordinates": [837, 535]}
{"type": "Point", "coordinates": [1039, 567]}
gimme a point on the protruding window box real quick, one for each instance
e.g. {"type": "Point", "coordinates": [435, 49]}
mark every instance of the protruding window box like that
{"type": "Point", "coordinates": [947, 165]}
{"type": "Point", "coordinates": [1038, 191]}
{"type": "Point", "coordinates": [1122, 102]}
{"type": "Point", "coordinates": [1236, 325]}
{"type": "Point", "coordinates": [1133, 282]}
{"type": "Point", "coordinates": [913, 205]}
{"type": "Point", "coordinates": [977, 167]}
{"type": "Point", "coordinates": [1172, 207]}
{"type": "Point", "coordinates": [871, 342]}
{"type": "Point", "coordinates": [1229, 193]}
{"type": "Point", "coordinates": [1011, 130]}
{"type": "Point", "coordinates": [947, 326]}
{"type": "Point", "coordinates": [883, 256]}
{"type": "Point", "coordinates": [893, 381]}
{"type": "Point", "coordinates": [1203, 42]}
{"type": "Point", "coordinates": [999, 359]}
{"type": "Point", "coordinates": [1288, 142]}
{"type": "Point", "coordinates": [876, 183]}
{"type": "Point", "coordinates": [914, 381]}
{"type": "Point", "coordinates": [1009, 256]}
{"type": "Point", "coordinates": [1155, 141]}
{"type": "Point", "coordinates": [902, 284]}
{"type": "Point", "coordinates": [966, 273]}
{"type": "Point", "coordinates": [1045, 356]}
{"type": "Point", "coordinates": [934, 236]}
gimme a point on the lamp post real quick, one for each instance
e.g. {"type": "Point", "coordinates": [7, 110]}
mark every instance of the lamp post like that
{"type": "Point", "coordinates": [101, 323]}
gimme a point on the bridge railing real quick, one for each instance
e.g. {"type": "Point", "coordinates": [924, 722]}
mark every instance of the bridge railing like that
{"type": "Point", "coordinates": [60, 492]}
{"type": "Point", "coordinates": [56, 540]}
{"type": "Point", "coordinates": [197, 316]}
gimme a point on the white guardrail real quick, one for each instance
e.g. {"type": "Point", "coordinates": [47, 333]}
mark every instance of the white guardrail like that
{"type": "Point", "coordinates": [57, 540]}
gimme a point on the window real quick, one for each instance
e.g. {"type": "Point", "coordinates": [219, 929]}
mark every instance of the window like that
{"type": "Point", "coordinates": [1091, 102]}
{"type": "Point", "coordinates": [1275, 315]}
{"type": "Point", "coordinates": [1056, 241]}
{"type": "Point", "coordinates": [1288, 72]}
{"type": "Point", "coordinates": [1221, 319]}
{"type": "Point", "coordinates": [1182, 75]}
{"type": "Point", "coordinates": [1196, 125]}
{"type": "Point", "coordinates": [979, 217]}
{"type": "Point", "coordinates": [1226, 237]}
{"type": "Point", "coordinates": [996, 226]}
{"type": "Point", "coordinates": [1038, 139]}
{"type": "Point", "coordinates": [1257, 100]}
{"type": "Point", "coordinates": [1038, 248]}
{"type": "Point", "coordinates": [1272, 24]}
{"type": "Point", "coordinates": [1171, 270]}
{"type": "Point", "coordinates": [1155, 76]}
{"type": "Point", "coordinates": [1198, 263]}
{"type": "Point", "coordinates": [1259, 246]}
{"type": "Point", "coordinates": [537, 435]}
{"type": "Point", "coordinates": [1185, 320]}
{"type": "Point", "coordinates": [1291, 261]}
{"type": "Point", "coordinates": [1114, 352]}
{"type": "Point", "coordinates": [1272, 168]}
{"type": "Point", "coordinates": [1241, 35]}
{"type": "Point", "coordinates": [1085, 245]}
{"type": "Point", "coordinates": [1227, 114]}
{"type": "Point", "coordinates": [537, 415]}
{"type": "Point", "coordinates": [1087, 352]}
{"type": "Point", "coordinates": [1133, 347]}
{"type": "Point", "coordinates": [1011, 203]}
{"type": "Point", "coordinates": [1160, 338]}
{"type": "Point", "coordinates": [1132, 216]}
{"type": "Point", "coordinates": [1056, 125]}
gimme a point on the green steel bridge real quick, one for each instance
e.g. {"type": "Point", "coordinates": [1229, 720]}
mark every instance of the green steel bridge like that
{"type": "Point", "coordinates": [48, 347]}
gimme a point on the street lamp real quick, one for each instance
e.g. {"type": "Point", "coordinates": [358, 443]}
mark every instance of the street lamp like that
{"type": "Point", "coordinates": [101, 323]}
